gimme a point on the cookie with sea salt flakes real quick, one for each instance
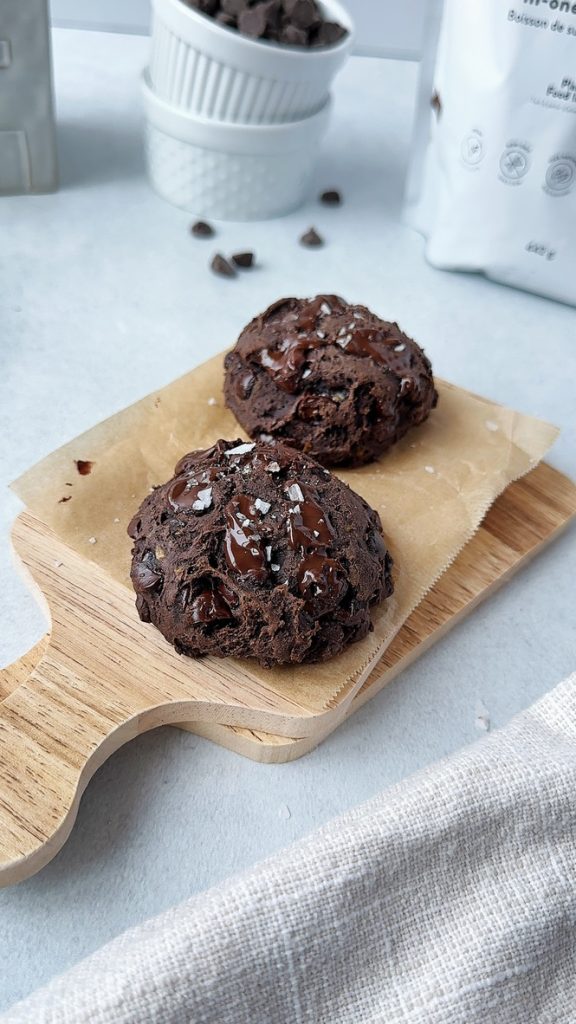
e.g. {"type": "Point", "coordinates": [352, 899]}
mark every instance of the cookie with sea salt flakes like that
{"type": "Point", "coordinates": [256, 551]}
{"type": "Point", "coordinates": [329, 378]}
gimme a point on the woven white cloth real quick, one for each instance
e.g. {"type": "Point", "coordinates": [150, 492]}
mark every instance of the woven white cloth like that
{"type": "Point", "coordinates": [450, 898]}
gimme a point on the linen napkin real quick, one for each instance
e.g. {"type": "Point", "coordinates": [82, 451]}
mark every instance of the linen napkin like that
{"type": "Point", "coordinates": [449, 898]}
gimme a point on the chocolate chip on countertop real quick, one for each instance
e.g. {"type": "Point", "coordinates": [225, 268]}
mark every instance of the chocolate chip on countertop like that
{"type": "Point", "coordinates": [202, 230]}
{"type": "Point", "coordinates": [243, 259]}
{"type": "Point", "coordinates": [221, 266]}
{"type": "Point", "coordinates": [331, 197]}
{"type": "Point", "coordinates": [311, 239]}
{"type": "Point", "coordinates": [253, 22]}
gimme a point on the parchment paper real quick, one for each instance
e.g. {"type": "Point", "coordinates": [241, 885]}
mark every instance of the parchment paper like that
{"type": "Point", "coordinates": [432, 491]}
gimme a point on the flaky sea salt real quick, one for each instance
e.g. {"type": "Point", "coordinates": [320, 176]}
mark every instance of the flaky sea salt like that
{"type": "Point", "coordinates": [295, 493]}
{"type": "Point", "coordinates": [91, 540]}
{"type": "Point", "coordinates": [272, 467]}
{"type": "Point", "coordinates": [240, 449]}
{"type": "Point", "coordinates": [262, 506]}
{"type": "Point", "coordinates": [400, 347]}
{"type": "Point", "coordinates": [212, 401]}
{"type": "Point", "coordinates": [325, 309]}
{"type": "Point", "coordinates": [429, 469]}
{"type": "Point", "coordinates": [203, 501]}
{"type": "Point", "coordinates": [491, 425]}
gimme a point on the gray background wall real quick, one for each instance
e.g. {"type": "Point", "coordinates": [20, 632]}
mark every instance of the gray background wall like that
{"type": "Point", "coordinates": [392, 28]}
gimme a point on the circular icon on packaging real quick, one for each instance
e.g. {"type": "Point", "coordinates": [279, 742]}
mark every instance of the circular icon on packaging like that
{"type": "Point", "coordinates": [472, 149]}
{"type": "Point", "coordinates": [560, 176]}
{"type": "Point", "coordinates": [513, 164]}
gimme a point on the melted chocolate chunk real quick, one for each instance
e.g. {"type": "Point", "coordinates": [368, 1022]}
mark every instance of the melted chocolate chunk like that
{"type": "Point", "coordinates": [242, 544]}
{"type": "Point", "coordinates": [309, 527]}
{"type": "Point", "coordinates": [183, 494]}
{"type": "Point", "coordinates": [210, 605]}
{"type": "Point", "coordinates": [320, 581]}
{"type": "Point", "coordinates": [84, 466]}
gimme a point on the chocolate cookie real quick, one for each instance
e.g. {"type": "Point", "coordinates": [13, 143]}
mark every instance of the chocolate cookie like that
{"type": "Point", "coordinates": [255, 550]}
{"type": "Point", "coordinates": [329, 378]}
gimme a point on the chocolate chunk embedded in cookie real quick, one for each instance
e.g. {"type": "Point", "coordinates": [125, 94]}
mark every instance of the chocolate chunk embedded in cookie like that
{"type": "Point", "coordinates": [329, 378]}
{"type": "Point", "coordinates": [255, 550]}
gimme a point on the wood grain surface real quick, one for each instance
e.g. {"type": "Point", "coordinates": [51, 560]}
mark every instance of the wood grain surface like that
{"type": "Point", "coordinates": [100, 677]}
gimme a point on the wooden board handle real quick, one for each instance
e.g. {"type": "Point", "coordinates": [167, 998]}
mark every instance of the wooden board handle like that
{"type": "Point", "coordinates": [96, 686]}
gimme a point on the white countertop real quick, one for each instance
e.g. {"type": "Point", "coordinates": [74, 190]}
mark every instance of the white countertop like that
{"type": "Point", "coordinates": [104, 297]}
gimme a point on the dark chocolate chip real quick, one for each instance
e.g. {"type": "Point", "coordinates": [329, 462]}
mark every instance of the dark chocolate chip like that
{"type": "Point", "coordinates": [221, 266]}
{"type": "Point", "coordinates": [144, 577]}
{"type": "Point", "coordinates": [328, 33]}
{"type": "Point", "coordinates": [273, 9]}
{"type": "Point", "coordinates": [233, 7]}
{"type": "Point", "coordinates": [331, 197]}
{"type": "Point", "coordinates": [205, 6]}
{"type": "Point", "coordinates": [311, 239]}
{"type": "Point", "coordinates": [302, 13]}
{"type": "Point", "coordinates": [83, 466]}
{"type": "Point", "coordinates": [243, 259]}
{"type": "Point", "coordinates": [293, 36]}
{"type": "Point", "coordinates": [253, 22]}
{"type": "Point", "coordinates": [202, 230]}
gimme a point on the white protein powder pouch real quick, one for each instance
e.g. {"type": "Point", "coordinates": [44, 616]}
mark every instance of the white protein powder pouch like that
{"type": "Point", "coordinates": [493, 177]}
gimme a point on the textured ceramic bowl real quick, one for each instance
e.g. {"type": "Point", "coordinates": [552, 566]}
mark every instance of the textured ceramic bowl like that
{"type": "Point", "coordinates": [229, 171]}
{"type": "Point", "coordinates": [215, 72]}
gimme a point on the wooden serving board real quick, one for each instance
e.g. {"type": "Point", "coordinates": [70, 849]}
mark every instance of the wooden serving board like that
{"type": "Point", "coordinates": [100, 678]}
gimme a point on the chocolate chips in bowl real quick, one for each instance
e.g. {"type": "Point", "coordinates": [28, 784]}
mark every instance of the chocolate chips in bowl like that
{"type": "Point", "coordinates": [289, 22]}
{"type": "Point", "coordinates": [255, 550]}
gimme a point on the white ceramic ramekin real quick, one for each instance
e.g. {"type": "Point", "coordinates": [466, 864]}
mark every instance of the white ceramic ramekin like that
{"type": "Point", "coordinates": [229, 171]}
{"type": "Point", "coordinates": [214, 72]}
